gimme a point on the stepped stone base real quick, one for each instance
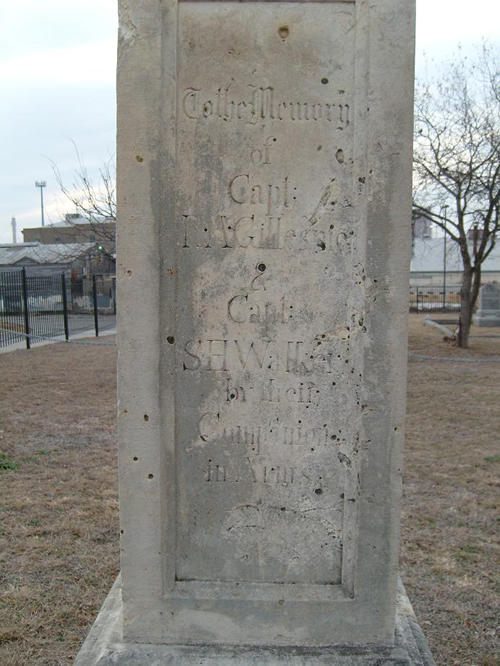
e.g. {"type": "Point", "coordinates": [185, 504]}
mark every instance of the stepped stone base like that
{"type": "Point", "coordinates": [487, 318]}
{"type": "Point", "coordinates": [104, 647]}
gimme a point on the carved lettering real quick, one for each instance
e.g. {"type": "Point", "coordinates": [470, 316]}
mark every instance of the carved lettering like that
{"type": "Point", "coordinates": [235, 392]}
{"type": "Point", "coordinates": [262, 437]}
{"type": "Point", "coordinates": [262, 104]}
{"type": "Point", "coordinates": [268, 232]}
{"type": "Point", "coordinates": [261, 156]}
{"type": "Point", "coordinates": [248, 436]}
{"type": "Point", "coordinates": [217, 354]}
{"type": "Point", "coordinates": [251, 353]}
{"type": "Point", "coordinates": [244, 190]}
{"type": "Point", "coordinates": [305, 393]}
{"type": "Point", "coordinates": [244, 308]}
{"type": "Point", "coordinates": [260, 474]}
{"type": "Point", "coordinates": [294, 356]}
{"type": "Point", "coordinates": [215, 473]}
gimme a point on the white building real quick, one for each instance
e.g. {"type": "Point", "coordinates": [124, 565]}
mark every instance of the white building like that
{"type": "Point", "coordinates": [428, 265]}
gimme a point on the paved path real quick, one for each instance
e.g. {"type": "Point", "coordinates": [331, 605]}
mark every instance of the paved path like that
{"type": "Point", "coordinates": [85, 322]}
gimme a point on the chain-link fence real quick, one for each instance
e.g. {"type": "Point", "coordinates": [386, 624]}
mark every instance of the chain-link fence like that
{"type": "Point", "coordinates": [36, 308]}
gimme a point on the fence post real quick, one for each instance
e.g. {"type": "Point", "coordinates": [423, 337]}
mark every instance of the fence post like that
{"type": "Point", "coordinates": [417, 301]}
{"type": "Point", "coordinates": [25, 306]}
{"type": "Point", "coordinates": [96, 314]}
{"type": "Point", "coordinates": [65, 306]}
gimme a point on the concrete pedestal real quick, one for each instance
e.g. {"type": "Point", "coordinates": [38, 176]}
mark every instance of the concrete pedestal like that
{"type": "Point", "coordinates": [487, 318]}
{"type": "Point", "coordinates": [104, 646]}
{"type": "Point", "coordinates": [264, 172]}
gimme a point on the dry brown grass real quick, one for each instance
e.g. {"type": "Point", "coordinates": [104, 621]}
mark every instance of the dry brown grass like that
{"type": "Point", "coordinates": [58, 509]}
{"type": "Point", "coordinates": [59, 513]}
{"type": "Point", "coordinates": [449, 544]}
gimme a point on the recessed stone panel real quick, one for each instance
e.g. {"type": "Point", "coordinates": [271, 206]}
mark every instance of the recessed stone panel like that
{"type": "Point", "coordinates": [268, 368]}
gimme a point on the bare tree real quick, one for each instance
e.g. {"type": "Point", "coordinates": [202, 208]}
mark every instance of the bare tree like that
{"type": "Point", "coordinates": [457, 161]}
{"type": "Point", "coordinates": [93, 200]}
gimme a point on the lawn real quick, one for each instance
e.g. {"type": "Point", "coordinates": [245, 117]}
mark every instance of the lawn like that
{"type": "Point", "coordinates": [59, 508]}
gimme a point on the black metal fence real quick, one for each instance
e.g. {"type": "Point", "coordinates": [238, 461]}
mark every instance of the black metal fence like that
{"type": "Point", "coordinates": [12, 311]}
{"type": "Point", "coordinates": [36, 308]}
{"type": "Point", "coordinates": [435, 299]}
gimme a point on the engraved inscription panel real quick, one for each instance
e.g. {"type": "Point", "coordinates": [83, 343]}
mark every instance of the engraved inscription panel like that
{"type": "Point", "coordinates": [269, 321]}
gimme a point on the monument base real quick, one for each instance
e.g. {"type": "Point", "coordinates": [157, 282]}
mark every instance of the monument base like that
{"type": "Point", "coordinates": [487, 318]}
{"type": "Point", "coordinates": [104, 646]}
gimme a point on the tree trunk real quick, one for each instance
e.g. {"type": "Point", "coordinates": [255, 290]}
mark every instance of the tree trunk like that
{"type": "Point", "coordinates": [476, 284]}
{"type": "Point", "coordinates": [466, 306]}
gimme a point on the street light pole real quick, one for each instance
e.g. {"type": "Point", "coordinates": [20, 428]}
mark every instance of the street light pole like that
{"type": "Point", "coordinates": [41, 184]}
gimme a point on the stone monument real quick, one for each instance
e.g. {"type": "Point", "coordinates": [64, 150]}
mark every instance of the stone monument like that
{"type": "Point", "coordinates": [488, 312]}
{"type": "Point", "coordinates": [264, 170]}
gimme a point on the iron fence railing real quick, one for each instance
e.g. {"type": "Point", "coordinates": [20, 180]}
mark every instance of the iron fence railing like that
{"type": "Point", "coordinates": [36, 308]}
{"type": "Point", "coordinates": [435, 299]}
{"type": "Point", "coordinates": [12, 311]}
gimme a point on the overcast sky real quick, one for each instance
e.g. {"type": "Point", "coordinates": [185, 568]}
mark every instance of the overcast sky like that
{"type": "Point", "coordinates": [57, 71]}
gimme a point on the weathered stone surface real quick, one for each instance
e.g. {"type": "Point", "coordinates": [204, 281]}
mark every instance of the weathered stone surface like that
{"type": "Point", "coordinates": [104, 646]}
{"type": "Point", "coordinates": [264, 167]}
{"type": "Point", "coordinates": [488, 312]}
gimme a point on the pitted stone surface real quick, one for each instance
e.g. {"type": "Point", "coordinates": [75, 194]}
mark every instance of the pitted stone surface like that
{"type": "Point", "coordinates": [264, 168]}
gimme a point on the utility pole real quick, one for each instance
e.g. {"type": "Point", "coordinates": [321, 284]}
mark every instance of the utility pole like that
{"type": "Point", "coordinates": [41, 184]}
